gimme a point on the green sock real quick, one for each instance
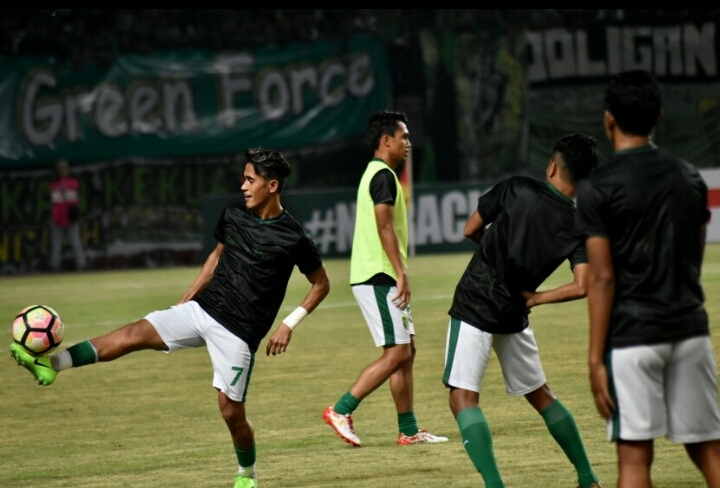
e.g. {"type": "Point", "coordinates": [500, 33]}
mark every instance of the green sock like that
{"type": "Point", "coordinates": [407, 423]}
{"type": "Point", "coordinates": [477, 441]}
{"type": "Point", "coordinates": [246, 460]}
{"type": "Point", "coordinates": [563, 428]}
{"type": "Point", "coordinates": [347, 404]}
{"type": "Point", "coordinates": [83, 354]}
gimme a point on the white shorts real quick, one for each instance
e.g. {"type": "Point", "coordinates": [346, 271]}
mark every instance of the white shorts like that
{"type": "Point", "coordinates": [388, 324]}
{"type": "Point", "coordinates": [667, 389]}
{"type": "Point", "coordinates": [189, 326]}
{"type": "Point", "coordinates": [467, 352]}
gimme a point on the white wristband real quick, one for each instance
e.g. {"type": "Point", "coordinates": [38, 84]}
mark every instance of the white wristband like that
{"type": "Point", "coordinates": [295, 317]}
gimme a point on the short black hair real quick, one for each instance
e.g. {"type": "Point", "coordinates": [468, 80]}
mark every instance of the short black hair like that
{"type": "Point", "coordinates": [269, 164]}
{"type": "Point", "coordinates": [579, 155]}
{"type": "Point", "coordinates": [634, 99]}
{"type": "Point", "coordinates": [382, 123]}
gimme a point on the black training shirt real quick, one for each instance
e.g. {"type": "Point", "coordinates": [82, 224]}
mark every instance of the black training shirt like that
{"type": "Point", "coordinates": [251, 277]}
{"type": "Point", "coordinates": [651, 206]}
{"type": "Point", "coordinates": [532, 233]}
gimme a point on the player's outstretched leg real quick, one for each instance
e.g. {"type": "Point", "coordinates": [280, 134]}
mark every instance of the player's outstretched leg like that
{"type": "Point", "coordinates": [40, 366]}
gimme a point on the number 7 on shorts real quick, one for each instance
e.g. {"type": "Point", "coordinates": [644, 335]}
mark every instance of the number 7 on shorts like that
{"type": "Point", "coordinates": [237, 376]}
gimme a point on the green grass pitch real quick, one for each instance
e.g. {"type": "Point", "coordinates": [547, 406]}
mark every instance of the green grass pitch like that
{"type": "Point", "coordinates": [151, 419]}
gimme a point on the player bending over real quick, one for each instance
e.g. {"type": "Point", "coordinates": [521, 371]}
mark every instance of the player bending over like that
{"type": "Point", "coordinates": [532, 233]}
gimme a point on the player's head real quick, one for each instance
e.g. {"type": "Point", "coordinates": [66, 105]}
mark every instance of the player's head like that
{"type": "Point", "coordinates": [634, 100]}
{"type": "Point", "coordinates": [384, 123]}
{"type": "Point", "coordinates": [389, 137]}
{"type": "Point", "coordinates": [270, 165]}
{"type": "Point", "coordinates": [576, 156]}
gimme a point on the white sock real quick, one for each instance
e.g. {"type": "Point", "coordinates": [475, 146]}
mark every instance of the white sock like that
{"type": "Point", "coordinates": [61, 360]}
{"type": "Point", "coordinates": [248, 471]}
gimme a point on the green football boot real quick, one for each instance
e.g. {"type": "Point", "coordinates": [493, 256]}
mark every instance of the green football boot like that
{"type": "Point", "coordinates": [39, 366]}
{"type": "Point", "coordinates": [245, 482]}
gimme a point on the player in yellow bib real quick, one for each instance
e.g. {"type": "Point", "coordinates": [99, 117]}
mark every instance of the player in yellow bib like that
{"type": "Point", "coordinates": [368, 254]}
{"type": "Point", "coordinates": [379, 282]}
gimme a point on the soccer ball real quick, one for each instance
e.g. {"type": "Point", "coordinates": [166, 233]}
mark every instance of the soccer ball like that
{"type": "Point", "coordinates": [38, 329]}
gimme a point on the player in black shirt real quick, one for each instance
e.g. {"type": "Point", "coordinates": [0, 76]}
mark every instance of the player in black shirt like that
{"type": "Point", "coordinates": [524, 229]}
{"type": "Point", "coordinates": [231, 305]}
{"type": "Point", "coordinates": [652, 367]}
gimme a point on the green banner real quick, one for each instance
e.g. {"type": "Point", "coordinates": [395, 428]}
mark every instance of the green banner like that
{"type": "Point", "coordinates": [184, 103]}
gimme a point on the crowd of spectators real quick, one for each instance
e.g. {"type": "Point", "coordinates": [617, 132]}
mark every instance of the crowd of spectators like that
{"type": "Point", "coordinates": [98, 35]}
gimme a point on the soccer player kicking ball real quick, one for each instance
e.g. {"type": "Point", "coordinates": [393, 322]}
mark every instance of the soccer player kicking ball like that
{"type": "Point", "coordinates": [532, 233]}
{"type": "Point", "coordinates": [652, 367]}
{"type": "Point", "coordinates": [229, 308]}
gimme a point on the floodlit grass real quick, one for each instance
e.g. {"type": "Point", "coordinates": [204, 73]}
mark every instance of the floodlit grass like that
{"type": "Point", "coordinates": [151, 419]}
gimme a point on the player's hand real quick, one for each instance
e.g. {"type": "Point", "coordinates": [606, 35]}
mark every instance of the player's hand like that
{"type": "Point", "coordinates": [599, 387]}
{"type": "Point", "coordinates": [279, 341]}
{"type": "Point", "coordinates": [402, 297]}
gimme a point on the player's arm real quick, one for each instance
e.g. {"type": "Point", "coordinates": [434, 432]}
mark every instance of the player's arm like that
{"type": "Point", "coordinates": [474, 227]}
{"type": "Point", "coordinates": [206, 274]}
{"type": "Point", "coordinates": [278, 342]}
{"type": "Point", "coordinates": [488, 208]}
{"type": "Point", "coordinates": [601, 295]}
{"type": "Point", "coordinates": [385, 217]}
{"type": "Point", "coordinates": [570, 291]}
